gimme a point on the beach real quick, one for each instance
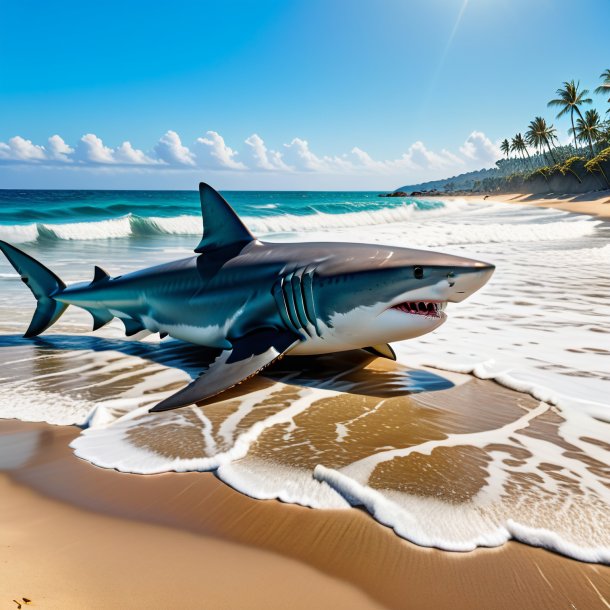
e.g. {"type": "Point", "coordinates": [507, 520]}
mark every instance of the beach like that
{"type": "Point", "coordinates": [77, 536]}
{"type": "Point", "coordinates": [596, 203]}
{"type": "Point", "coordinates": [471, 473]}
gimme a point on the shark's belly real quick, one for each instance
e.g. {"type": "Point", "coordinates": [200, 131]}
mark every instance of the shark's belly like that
{"type": "Point", "coordinates": [201, 330]}
{"type": "Point", "coordinates": [311, 347]}
{"type": "Point", "coordinates": [361, 328]}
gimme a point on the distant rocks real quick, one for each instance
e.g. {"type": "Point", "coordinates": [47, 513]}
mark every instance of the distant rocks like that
{"type": "Point", "coordinates": [432, 192]}
{"type": "Point", "coordinates": [394, 194]}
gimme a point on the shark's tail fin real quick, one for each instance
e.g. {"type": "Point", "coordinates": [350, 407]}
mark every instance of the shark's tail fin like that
{"type": "Point", "coordinates": [43, 283]}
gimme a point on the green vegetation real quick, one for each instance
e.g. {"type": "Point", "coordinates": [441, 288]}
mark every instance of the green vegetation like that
{"type": "Point", "coordinates": [597, 163]}
{"type": "Point", "coordinates": [604, 88]}
{"type": "Point", "coordinates": [549, 157]}
{"type": "Point", "coordinates": [589, 129]}
{"type": "Point", "coordinates": [569, 100]}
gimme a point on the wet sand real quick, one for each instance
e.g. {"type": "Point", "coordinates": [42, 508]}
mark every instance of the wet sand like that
{"type": "Point", "coordinates": [76, 536]}
{"type": "Point", "coordinates": [596, 203]}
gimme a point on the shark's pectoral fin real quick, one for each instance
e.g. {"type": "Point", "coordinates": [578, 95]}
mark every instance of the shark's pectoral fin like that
{"type": "Point", "coordinates": [249, 355]}
{"type": "Point", "coordinates": [383, 350]}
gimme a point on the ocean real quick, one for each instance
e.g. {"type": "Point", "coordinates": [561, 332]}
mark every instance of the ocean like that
{"type": "Point", "coordinates": [521, 452]}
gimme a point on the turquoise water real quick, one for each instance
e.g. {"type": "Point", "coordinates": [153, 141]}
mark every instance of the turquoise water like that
{"type": "Point", "coordinates": [63, 206]}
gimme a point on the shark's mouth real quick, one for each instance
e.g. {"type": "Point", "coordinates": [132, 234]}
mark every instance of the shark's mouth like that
{"type": "Point", "coordinates": [422, 308]}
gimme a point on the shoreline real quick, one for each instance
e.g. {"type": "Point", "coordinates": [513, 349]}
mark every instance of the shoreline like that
{"type": "Point", "coordinates": [596, 203]}
{"type": "Point", "coordinates": [56, 508]}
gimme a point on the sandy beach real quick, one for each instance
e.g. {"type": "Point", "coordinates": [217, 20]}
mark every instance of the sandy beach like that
{"type": "Point", "coordinates": [77, 536]}
{"type": "Point", "coordinates": [447, 459]}
{"type": "Point", "coordinates": [595, 203]}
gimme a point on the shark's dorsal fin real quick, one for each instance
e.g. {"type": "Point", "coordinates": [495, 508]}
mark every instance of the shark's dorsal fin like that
{"type": "Point", "coordinates": [99, 275]}
{"type": "Point", "coordinates": [221, 225]}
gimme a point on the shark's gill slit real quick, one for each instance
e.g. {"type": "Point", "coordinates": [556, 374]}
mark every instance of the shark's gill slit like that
{"type": "Point", "coordinates": [308, 297]}
{"type": "Point", "coordinates": [300, 301]}
{"type": "Point", "coordinates": [282, 305]}
{"type": "Point", "coordinates": [290, 300]}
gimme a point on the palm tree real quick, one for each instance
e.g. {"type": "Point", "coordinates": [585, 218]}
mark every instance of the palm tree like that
{"type": "Point", "coordinates": [514, 147]}
{"type": "Point", "coordinates": [518, 145]}
{"type": "Point", "coordinates": [521, 145]}
{"type": "Point", "coordinates": [539, 135]}
{"type": "Point", "coordinates": [604, 88]}
{"type": "Point", "coordinates": [589, 128]}
{"type": "Point", "coordinates": [505, 147]}
{"type": "Point", "coordinates": [569, 99]}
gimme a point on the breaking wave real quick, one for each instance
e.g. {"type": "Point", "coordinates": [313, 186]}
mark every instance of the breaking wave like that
{"type": "Point", "coordinates": [455, 233]}
{"type": "Point", "coordinates": [133, 225]}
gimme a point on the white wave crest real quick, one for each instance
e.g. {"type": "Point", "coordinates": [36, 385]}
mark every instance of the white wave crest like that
{"type": "Point", "coordinates": [125, 226]}
{"type": "Point", "coordinates": [427, 228]}
{"type": "Point", "coordinates": [103, 229]}
{"type": "Point", "coordinates": [19, 234]}
{"type": "Point", "coordinates": [460, 233]}
{"type": "Point", "coordinates": [314, 222]}
{"type": "Point", "coordinates": [133, 225]}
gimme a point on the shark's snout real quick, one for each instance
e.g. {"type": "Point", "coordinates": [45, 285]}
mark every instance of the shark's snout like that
{"type": "Point", "coordinates": [467, 280]}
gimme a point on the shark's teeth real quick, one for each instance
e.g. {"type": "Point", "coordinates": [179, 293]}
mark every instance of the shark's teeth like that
{"type": "Point", "coordinates": [421, 308]}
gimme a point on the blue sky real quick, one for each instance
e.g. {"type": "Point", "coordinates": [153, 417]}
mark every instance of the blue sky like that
{"type": "Point", "coordinates": [269, 94]}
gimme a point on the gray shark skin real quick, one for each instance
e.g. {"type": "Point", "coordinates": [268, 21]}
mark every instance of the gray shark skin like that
{"type": "Point", "coordinates": [256, 301]}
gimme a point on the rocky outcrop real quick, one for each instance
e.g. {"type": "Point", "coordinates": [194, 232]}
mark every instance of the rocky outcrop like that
{"type": "Point", "coordinates": [393, 194]}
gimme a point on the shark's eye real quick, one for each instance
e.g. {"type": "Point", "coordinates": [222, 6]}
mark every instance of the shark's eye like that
{"type": "Point", "coordinates": [418, 272]}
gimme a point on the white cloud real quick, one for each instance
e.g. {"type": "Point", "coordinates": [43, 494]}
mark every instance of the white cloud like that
{"type": "Point", "coordinates": [420, 155]}
{"type": "Point", "coordinates": [299, 155]}
{"type": "Point", "coordinates": [58, 149]}
{"type": "Point", "coordinates": [170, 150]}
{"type": "Point", "coordinates": [417, 157]}
{"type": "Point", "coordinates": [126, 153]}
{"type": "Point", "coordinates": [363, 159]}
{"type": "Point", "coordinates": [297, 161]}
{"type": "Point", "coordinates": [479, 147]}
{"type": "Point", "coordinates": [262, 157]}
{"type": "Point", "coordinates": [20, 149]}
{"type": "Point", "coordinates": [219, 155]}
{"type": "Point", "coordinates": [91, 149]}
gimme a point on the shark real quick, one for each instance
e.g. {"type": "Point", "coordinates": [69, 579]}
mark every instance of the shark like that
{"type": "Point", "coordinates": [255, 301]}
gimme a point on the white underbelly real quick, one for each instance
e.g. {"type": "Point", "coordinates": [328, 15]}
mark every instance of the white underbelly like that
{"type": "Point", "coordinates": [212, 335]}
{"type": "Point", "coordinates": [309, 348]}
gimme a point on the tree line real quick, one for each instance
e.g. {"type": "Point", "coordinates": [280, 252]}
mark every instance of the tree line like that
{"type": "Point", "coordinates": [590, 133]}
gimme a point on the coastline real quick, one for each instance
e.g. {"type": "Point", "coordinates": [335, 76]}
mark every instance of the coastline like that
{"type": "Point", "coordinates": [596, 203]}
{"type": "Point", "coordinates": [75, 534]}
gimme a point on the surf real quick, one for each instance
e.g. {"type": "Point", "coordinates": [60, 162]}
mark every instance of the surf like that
{"type": "Point", "coordinates": [453, 473]}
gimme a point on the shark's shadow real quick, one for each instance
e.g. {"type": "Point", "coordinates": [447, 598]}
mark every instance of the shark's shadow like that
{"type": "Point", "coordinates": [351, 372]}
